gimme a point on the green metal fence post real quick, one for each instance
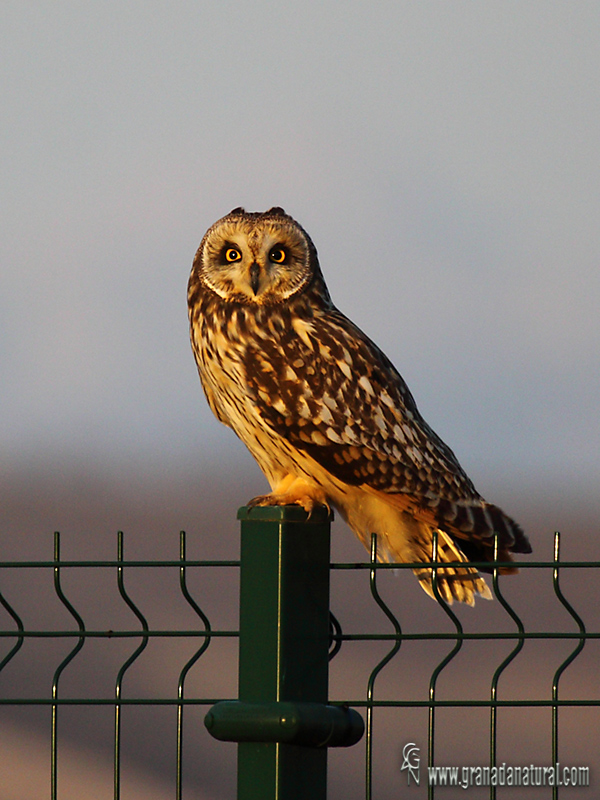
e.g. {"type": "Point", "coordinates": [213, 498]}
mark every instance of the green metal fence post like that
{"type": "Point", "coordinates": [284, 642]}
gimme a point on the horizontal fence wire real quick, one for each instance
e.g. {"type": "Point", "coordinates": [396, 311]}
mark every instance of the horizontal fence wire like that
{"type": "Point", "coordinates": [16, 633]}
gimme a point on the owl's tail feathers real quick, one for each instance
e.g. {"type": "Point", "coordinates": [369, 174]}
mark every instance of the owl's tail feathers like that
{"type": "Point", "coordinates": [453, 583]}
{"type": "Point", "coordinates": [477, 523]}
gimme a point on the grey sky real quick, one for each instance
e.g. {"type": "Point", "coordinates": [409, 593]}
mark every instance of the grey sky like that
{"type": "Point", "coordinates": [443, 156]}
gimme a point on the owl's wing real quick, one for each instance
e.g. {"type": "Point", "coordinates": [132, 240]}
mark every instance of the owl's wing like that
{"type": "Point", "coordinates": [329, 390]}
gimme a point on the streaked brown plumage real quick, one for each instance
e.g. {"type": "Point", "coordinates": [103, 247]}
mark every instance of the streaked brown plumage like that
{"type": "Point", "coordinates": [321, 408]}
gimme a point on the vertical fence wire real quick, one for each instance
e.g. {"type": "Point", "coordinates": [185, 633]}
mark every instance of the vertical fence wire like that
{"type": "Point", "coordinates": [184, 672]}
{"type": "Point", "coordinates": [445, 661]}
{"type": "Point", "coordinates": [570, 658]}
{"type": "Point", "coordinates": [504, 664]}
{"type": "Point", "coordinates": [59, 670]}
{"type": "Point", "coordinates": [385, 660]}
{"type": "Point", "coordinates": [121, 674]}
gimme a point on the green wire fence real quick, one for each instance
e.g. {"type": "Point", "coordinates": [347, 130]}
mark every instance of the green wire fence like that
{"type": "Point", "coordinates": [286, 717]}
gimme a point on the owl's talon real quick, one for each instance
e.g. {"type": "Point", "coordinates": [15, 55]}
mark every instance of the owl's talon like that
{"type": "Point", "coordinates": [308, 503]}
{"type": "Point", "coordinates": [317, 504]}
{"type": "Point", "coordinates": [258, 501]}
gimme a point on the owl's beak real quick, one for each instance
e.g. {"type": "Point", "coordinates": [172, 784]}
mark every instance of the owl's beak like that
{"type": "Point", "coordinates": [254, 277]}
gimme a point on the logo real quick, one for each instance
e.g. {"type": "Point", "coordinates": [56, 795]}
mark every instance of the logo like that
{"type": "Point", "coordinates": [411, 761]}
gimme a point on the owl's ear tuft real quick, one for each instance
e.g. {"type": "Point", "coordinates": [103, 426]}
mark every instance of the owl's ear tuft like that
{"type": "Point", "coordinates": [238, 210]}
{"type": "Point", "coordinates": [276, 211]}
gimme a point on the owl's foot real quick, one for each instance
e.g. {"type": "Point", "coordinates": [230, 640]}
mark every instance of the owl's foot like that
{"type": "Point", "coordinates": [296, 492]}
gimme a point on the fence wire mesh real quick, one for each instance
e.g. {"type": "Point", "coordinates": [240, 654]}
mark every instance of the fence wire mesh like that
{"type": "Point", "coordinates": [373, 668]}
{"type": "Point", "coordinates": [516, 636]}
{"type": "Point", "coordinates": [78, 634]}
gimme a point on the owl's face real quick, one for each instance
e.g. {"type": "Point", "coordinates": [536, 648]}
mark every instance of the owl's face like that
{"type": "Point", "coordinates": [256, 258]}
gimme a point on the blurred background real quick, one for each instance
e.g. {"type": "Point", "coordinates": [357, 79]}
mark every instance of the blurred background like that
{"type": "Point", "coordinates": [444, 159]}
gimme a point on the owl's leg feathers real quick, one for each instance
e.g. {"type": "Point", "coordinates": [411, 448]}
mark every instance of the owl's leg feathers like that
{"type": "Point", "coordinates": [293, 491]}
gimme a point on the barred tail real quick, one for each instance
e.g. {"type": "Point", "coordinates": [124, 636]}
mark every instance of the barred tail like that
{"type": "Point", "coordinates": [476, 523]}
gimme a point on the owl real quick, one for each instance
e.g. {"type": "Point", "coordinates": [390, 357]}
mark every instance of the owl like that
{"type": "Point", "coordinates": [324, 412]}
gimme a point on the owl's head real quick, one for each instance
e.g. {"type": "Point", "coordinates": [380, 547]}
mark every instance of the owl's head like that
{"type": "Point", "coordinates": [262, 258]}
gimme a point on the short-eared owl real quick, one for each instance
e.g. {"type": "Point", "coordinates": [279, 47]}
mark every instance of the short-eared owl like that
{"type": "Point", "coordinates": [323, 411]}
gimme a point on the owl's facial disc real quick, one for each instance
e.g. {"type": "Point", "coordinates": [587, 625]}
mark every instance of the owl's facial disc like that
{"type": "Point", "coordinates": [255, 261]}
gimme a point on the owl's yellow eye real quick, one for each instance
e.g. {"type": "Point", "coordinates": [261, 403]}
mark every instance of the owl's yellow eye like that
{"type": "Point", "coordinates": [278, 255]}
{"type": "Point", "coordinates": [232, 254]}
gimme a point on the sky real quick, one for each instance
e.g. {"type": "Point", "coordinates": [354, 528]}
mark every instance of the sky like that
{"type": "Point", "coordinates": [442, 156]}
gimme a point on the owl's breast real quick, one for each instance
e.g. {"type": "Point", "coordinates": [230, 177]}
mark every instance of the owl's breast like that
{"type": "Point", "coordinates": [220, 366]}
{"type": "Point", "coordinates": [221, 343]}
